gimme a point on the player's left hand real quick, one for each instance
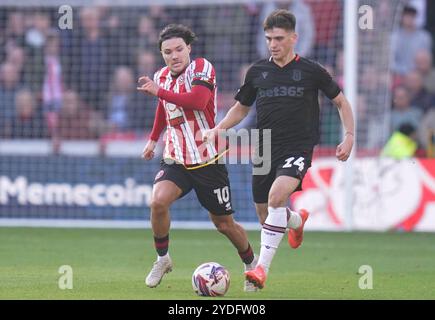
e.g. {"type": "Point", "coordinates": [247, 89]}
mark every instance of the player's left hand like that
{"type": "Point", "coordinates": [345, 148]}
{"type": "Point", "coordinates": [148, 86]}
{"type": "Point", "coordinates": [148, 151]}
{"type": "Point", "coordinates": [209, 135]}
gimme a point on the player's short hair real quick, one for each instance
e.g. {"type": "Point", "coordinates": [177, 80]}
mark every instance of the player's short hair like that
{"type": "Point", "coordinates": [280, 18]}
{"type": "Point", "coordinates": [176, 31]}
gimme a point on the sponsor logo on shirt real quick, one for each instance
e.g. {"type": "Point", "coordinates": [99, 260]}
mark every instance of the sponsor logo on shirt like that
{"type": "Point", "coordinates": [282, 91]}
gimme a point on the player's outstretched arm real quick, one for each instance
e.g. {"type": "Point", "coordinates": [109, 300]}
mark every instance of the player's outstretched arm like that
{"type": "Point", "coordinates": [195, 100]}
{"type": "Point", "coordinates": [345, 148]}
{"type": "Point", "coordinates": [236, 114]}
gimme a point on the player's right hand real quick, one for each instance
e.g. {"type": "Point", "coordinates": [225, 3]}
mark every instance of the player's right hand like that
{"type": "Point", "coordinates": [148, 86]}
{"type": "Point", "coordinates": [345, 148]}
{"type": "Point", "coordinates": [148, 151]}
{"type": "Point", "coordinates": [209, 135]}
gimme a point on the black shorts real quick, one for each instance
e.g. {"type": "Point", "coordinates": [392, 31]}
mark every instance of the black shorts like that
{"type": "Point", "coordinates": [292, 165]}
{"type": "Point", "coordinates": [210, 183]}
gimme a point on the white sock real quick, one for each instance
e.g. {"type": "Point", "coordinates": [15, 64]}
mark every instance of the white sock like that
{"type": "Point", "coordinates": [295, 219]}
{"type": "Point", "coordinates": [250, 266]}
{"type": "Point", "coordinates": [271, 235]}
{"type": "Point", "coordinates": [166, 256]}
{"type": "Point", "coordinates": [266, 256]}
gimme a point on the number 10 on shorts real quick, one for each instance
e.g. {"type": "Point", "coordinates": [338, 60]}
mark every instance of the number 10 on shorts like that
{"type": "Point", "coordinates": [223, 194]}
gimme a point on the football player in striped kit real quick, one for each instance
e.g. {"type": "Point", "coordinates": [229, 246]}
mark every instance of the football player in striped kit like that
{"type": "Point", "coordinates": [187, 108]}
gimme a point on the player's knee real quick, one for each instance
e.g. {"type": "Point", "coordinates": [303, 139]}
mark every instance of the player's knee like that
{"type": "Point", "coordinates": [223, 226]}
{"type": "Point", "coordinates": [262, 218]}
{"type": "Point", "coordinates": [159, 205]}
{"type": "Point", "coordinates": [276, 201]}
{"type": "Point", "coordinates": [261, 211]}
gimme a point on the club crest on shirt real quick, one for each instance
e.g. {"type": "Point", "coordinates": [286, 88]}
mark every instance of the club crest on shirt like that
{"type": "Point", "coordinates": [180, 79]}
{"type": "Point", "coordinates": [297, 75]}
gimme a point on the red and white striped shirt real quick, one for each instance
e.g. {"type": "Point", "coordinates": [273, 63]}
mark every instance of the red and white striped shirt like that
{"type": "Point", "coordinates": [185, 126]}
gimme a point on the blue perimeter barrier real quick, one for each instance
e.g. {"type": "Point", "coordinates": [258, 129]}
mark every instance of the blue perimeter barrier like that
{"type": "Point", "coordinates": [98, 188]}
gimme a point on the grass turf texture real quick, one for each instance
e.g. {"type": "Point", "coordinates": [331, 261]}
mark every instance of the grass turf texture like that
{"type": "Point", "coordinates": [112, 264]}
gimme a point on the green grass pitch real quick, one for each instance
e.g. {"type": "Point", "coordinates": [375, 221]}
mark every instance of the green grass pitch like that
{"type": "Point", "coordinates": [112, 264]}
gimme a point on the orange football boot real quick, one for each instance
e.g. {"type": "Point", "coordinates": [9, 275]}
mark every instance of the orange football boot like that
{"type": "Point", "coordinates": [256, 276]}
{"type": "Point", "coordinates": [295, 236]}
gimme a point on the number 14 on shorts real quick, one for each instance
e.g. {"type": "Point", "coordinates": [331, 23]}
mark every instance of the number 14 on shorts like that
{"type": "Point", "coordinates": [299, 162]}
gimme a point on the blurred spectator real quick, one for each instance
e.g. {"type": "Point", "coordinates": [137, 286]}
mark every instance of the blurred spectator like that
{"type": "Point", "coordinates": [407, 41]}
{"type": "Point", "coordinates": [305, 26]}
{"type": "Point", "coordinates": [147, 35]}
{"type": "Point", "coordinates": [403, 111]}
{"type": "Point", "coordinates": [74, 119]}
{"type": "Point", "coordinates": [119, 26]}
{"type": "Point", "coordinates": [424, 65]}
{"type": "Point", "coordinates": [161, 16]}
{"type": "Point", "coordinates": [430, 21]}
{"type": "Point", "coordinates": [36, 40]}
{"type": "Point", "coordinates": [36, 36]}
{"type": "Point", "coordinates": [420, 7]}
{"type": "Point", "coordinates": [9, 86]}
{"type": "Point", "coordinates": [225, 26]}
{"type": "Point", "coordinates": [146, 104]}
{"type": "Point", "coordinates": [122, 103]}
{"type": "Point", "coordinates": [16, 56]}
{"type": "Point", "coordinates": [402, 143]}
{"type": "Point", "coordinates": [374, 48]}
{"type": "Point", "coordinates": [426, 128]}
{"type": "Point", "coordinates": [145, 63]}
{"type": "Point", "coordinates": [327, 16]}
{"type": "Point", "coordinates": [373, 129]}
{"type": "Point", "coordinates": [90, 59]}
{"type": "Point", "coordinates": [420, 97]}
{"type": "Point", "coordinates": [384, 8]}
{"type": "Point", "coordinates": [28, 122]}
{"type": "Point", "coordinates": [53, 82]}
{"type": "Point", "coordinates": [15, 29]}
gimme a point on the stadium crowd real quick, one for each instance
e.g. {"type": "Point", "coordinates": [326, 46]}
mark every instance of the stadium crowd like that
{"type": "Point", "coordinates": [81, 83]}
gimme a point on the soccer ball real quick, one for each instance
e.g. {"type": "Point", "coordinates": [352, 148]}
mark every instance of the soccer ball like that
{"type": "Point", "coordinates": [211, 279]}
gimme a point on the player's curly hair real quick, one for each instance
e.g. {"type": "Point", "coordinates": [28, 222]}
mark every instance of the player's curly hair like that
{"type": "Point", "coordinates": [176, 31]}
{"type": "Point", "coordinates": [280, 18]}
